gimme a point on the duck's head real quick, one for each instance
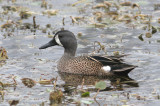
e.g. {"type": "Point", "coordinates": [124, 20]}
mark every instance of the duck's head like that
{"type": "Point", "coordinates": [65, 39]}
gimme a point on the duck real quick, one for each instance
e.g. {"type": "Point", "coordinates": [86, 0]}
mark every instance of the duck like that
{"type": "Point", "coordinates": [96, 65]}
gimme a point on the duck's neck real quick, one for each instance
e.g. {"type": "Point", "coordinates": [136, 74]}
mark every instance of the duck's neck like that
{"type": "Point", "coordinates": [69, 52]}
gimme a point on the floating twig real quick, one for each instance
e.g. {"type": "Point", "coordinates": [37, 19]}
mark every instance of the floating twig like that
{"type": "Point", "coordinates": [82, 84]}
{"type": "Point", "coordinates": [34, 22]}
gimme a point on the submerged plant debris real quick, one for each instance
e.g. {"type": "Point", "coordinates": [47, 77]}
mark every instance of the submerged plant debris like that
{"type": "Point", "coordinates": [56, 97]}
{"type": "Point", "coordinates": [3, 55]}
{"type": "Point", "coordinates": [28, 82]}
{"type": "Point", "coordinates": [28, 76]}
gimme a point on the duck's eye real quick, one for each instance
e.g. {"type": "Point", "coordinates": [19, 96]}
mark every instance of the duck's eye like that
{"type": "Point", "coordinates": [60, 36]}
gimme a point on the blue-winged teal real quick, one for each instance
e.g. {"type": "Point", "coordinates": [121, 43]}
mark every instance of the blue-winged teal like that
{"type": "Point", "coordinates": [86, 65]}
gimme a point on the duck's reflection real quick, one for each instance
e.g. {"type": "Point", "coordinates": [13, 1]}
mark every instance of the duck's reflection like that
{"type": "Point", "coordinates": [73, 82]}
{"type": "Point", "coordinates": [116, 82]}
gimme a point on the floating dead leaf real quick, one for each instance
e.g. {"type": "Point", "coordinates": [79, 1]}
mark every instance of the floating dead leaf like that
{"type": "Point", "coordinates": [50, 12]}
{"type": "Point", "coordinates": [13, 1]}
{"type": "Point", "coordinates": [8, 24]}
{"type": "Point", "coordinates": [79, 18]}
{"type": "Point", "coordinates": [44, 4]}
{"type": "Point", "coordinates": [56, 97]}
{"type": "Point", "coordinates": [159, 20]}
{"type": "Point", "coordinates": [116, 53]}
{"type": "Point", "coordinates": [100, 6]}
{"type": "Point", "coordinates": [158, 40]}
{"type": "Point", "coordinates": [112, 13]}
{"type": "Point", "coordinates": [9, 8]}
{"type": "Point", "coordinates": [141, 37]}
{"type": "Point", "coordinates": [26, 26]}
{"type": "Point", "coordinates": [102, 47]}
{"type": "Point", "coordinates": [98, 16]}
{"type": "Point", "coordinates": [158, 28]}
{"type": "Point", "coordinates": [154, 30]}
{"type": "Point", "coordinates": [28, 82]}
{"type": "Point", "coordinates": [6, 8]}
{"type": "Point", "coordinates": [50, 36]}
{"type": "Point", "coordinates": [48, 26]}
{"type": "Point", "coordinates": [115, 17]}
{"type": "Point", "coordinates": [145, 22]}
{"type": "Point", "coordinates": [143, 16]}
{"type": "Point", "coordinates": [78, 2]}
{"type": "Point", "coordinates": [148, 35]}
{"type": "Point", "coordinates": [2, 94]}
{"type": "Point", "coordinates": [24, 14]}
{"type": "Point", "coordinates": [76, 19]}
{"type": "Point", "coordinates": [145, 27]}
{"type": "Point", "coordinates": [126, 4]}
{"type": "Point", "coordinates": [5, 12]}
{"type": "Point", "coordinates": [124, 101]}
{"type": "Point", "coordinates": [44, 30]}
{"type": "Point", "coordinates": [135, 17]}
{"type": "Point", "coordinates": [140, 98]}
{"type": "Point", "coordinates": [135, 5]}
{"type": "Point", "coordinates": [97, 13]}
{"type": "Point", "coordinates": [134, 95]}
{"type": "Point", "coordinates": [107, 3]}
{"type": "Point", "coordinates": [156, 6]}
{"type": "Point", "coordinates": [73, 20]}
{"type": "Point", "coordinates": [2, 85]}
{"type": "Point", "coordinates": [3, 54]}
{"type": "Point", "coordinates": [99, 25]}
{"type": "Point", "coordinates": [79, 34]}
{"type": "Point", "coordinates": [45, 82]}
{"type": "Point", "coordinates": [13, 102]}
{"type": "Point", "coordinates": [125, 18]}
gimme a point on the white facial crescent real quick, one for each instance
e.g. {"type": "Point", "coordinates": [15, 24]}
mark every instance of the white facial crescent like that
{"type": "Point", "coordinates": [57, 40]}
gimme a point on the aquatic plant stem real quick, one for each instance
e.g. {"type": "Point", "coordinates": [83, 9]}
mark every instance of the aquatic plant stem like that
{"type": "Point", "coordinates": [96, 94]}
{"type": "Point", "coordinates": [82, 84]}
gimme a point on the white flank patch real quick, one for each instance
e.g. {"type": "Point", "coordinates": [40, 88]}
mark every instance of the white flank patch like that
{"type": "Point", "coordinates": [106, 68]}
{"type": "Point", "coordinates": [57, 40]}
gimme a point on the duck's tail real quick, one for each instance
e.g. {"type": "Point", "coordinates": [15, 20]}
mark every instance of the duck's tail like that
{"type": "Point", "coordinates": [122, 69]}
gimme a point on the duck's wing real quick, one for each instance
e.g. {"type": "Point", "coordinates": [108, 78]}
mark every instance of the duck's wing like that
{"type": "Point", "coordinates": [107, 60]}
{"type": "Point", "coordinates": [116, 63]}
